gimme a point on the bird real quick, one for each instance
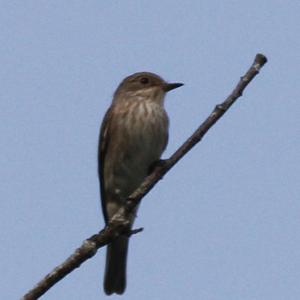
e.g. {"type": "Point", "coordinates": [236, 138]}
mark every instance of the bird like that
{"type": "Point", "coordinates": [133, 136]}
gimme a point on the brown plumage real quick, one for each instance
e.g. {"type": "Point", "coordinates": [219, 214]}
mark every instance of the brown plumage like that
{"type": "Point", "coordinates": [133, 135]}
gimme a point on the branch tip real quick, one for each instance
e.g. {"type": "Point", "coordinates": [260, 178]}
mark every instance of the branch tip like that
{"type": "Point", "coordinates": [135, 231]}
{"type": "Point", "coordinates": [261, 59]}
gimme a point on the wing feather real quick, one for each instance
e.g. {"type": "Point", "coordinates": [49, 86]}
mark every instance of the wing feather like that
{"type": "Point", "coordinates": [102, 151]}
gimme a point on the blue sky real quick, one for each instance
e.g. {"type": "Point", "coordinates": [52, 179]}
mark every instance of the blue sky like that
{"type": "Point", "coordinates": [223, 223]}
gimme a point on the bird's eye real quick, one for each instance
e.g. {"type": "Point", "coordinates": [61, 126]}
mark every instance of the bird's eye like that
{"type": "Point", "coordinates": [144, 80]}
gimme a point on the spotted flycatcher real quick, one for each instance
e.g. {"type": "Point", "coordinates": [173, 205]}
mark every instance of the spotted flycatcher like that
{"type": "Point", "coordinates": [133, 135]}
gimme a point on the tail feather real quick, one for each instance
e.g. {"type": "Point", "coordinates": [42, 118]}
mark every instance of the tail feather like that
{"type": "Point", "coordinates": [115, 270]}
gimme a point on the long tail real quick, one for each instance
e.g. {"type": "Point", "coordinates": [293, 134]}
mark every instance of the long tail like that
{"type": "Point", "coordinates": [115, 270]}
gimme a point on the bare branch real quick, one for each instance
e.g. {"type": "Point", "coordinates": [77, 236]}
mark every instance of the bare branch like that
{"type": "Point", "coordinates": [119, 226]}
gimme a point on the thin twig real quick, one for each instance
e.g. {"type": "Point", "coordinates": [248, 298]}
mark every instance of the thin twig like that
{"type": "Point", "coordinates": [119, 225]}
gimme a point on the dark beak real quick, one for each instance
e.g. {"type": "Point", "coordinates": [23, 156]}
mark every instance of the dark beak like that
{"type": "Point", "coordinates": [171, 86]}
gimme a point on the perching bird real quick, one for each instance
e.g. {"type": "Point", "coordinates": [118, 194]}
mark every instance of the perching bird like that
{"type": "Point", "coordinates": [133, 135]}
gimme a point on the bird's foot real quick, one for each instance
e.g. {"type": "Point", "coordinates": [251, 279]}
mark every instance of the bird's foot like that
{"type": "Point", "coordinates": [157, 164]}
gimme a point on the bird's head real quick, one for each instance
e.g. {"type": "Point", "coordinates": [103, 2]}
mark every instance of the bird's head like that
{"type": "Point", "coordinates": [143, 86]}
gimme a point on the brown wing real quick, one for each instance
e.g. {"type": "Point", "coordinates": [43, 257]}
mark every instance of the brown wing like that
{"type": "Point", "coordinates": [102, 150]}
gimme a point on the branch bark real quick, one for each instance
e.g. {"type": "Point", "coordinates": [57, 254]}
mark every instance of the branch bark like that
{"type": "Point", "coordinates": [119, 225]}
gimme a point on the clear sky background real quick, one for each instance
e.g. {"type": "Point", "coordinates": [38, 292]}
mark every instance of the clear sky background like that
{"type": "Point", "coordinates": [224, 223]}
